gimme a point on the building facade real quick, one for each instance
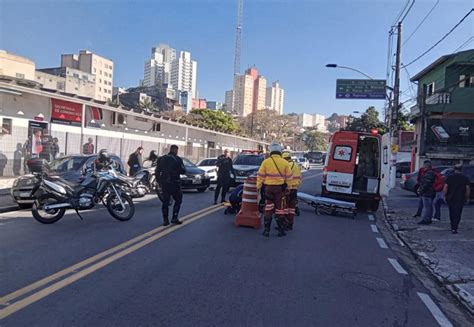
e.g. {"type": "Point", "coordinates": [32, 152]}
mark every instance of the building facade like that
{"type": "Point", "coordinates": [199, 104]}
{"type": "Point", "coordinates": [184, 73]}
{"type": "Point", "coordinates": [67, 80]}
{"type": "Point", "coordinates": [444, 112]}
{"type": "Point", "coordinates": [16, 66]}
{"type": "Point", "coordinates": [215, 105]}
{"type": "Point", "coordinates": [229, 101]}
{"type": "Point", "coordinates": [274, 98]}
{"type": "Point", "coordinates": [157, 69]}
{"type": "Point", "coordinates": [249, 92]}
{"type": "Point", "coordinates": [96, 65]}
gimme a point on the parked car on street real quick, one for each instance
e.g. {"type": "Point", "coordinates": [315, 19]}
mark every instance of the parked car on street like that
{"type": "Point", "coordinates": [70, 168]}
{"type": "Point", "coordinates": [195, 178]}
{"type": "Point", "coordinates": [303, 162]}
{"type": "Point", "coordinates": [409, 181]}
{"type": "Point", "coordinates": [246, 164]}
{"type": "Point", "coordinates": [402, 168]}
{"type": "Point", "coordinates": [467, 170]}
{"type": "Point", "coordinates": [209, 166]}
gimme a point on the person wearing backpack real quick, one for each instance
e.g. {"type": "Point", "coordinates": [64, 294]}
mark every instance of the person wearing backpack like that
{"type": "Point", "coordinates": [135, 161]}
{"type": "Point", "coordinates": [439, 196]}
{"type": "Point", "coordinates": [427, 193]}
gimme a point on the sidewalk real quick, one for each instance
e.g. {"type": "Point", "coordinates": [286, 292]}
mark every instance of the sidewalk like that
{"type": "Point", "coordinates": [449, 257]}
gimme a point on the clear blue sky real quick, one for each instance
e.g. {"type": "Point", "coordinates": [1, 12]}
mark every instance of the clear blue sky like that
{"type": "Point", "coordinates": [288, 40]}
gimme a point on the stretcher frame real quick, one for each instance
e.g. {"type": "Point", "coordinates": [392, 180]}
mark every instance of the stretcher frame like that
{"type": "Point", "coordinates": [328, 205]}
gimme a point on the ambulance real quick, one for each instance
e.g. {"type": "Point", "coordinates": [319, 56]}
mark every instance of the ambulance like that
{"type": "Point", "coordinates": [354, 168]}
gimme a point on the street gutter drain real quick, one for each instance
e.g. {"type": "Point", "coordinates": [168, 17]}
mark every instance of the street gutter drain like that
{"type": "Point", "coordinates": [365, 280]}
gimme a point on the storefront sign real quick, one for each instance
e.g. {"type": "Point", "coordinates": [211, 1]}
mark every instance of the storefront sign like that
{"type": "Point", "coordinates": [65, 112]}
{"type": "Point", "coordinates": [94, 117]}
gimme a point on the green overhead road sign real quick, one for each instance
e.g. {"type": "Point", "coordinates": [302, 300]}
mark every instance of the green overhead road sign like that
{"type": "Point", "coordinates": [360, 89]}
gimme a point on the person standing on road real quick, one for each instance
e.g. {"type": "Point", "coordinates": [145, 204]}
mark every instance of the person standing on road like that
{"type": "Point", "coordinates": [224, 169]}
{"type": "Point", "coordinates": [457, 192]}
{"type": "Point", "coordinates": [427, 193]}
{"type": "Point", "coordinates": [168, 170]}
{"type": "Point", "coordinates": [439, 195]}
{"type": "Point", "coordinates": [292, 194]}
{"type": "Point", "coordinates": [420, 174]}
{"type": "Point", "coordinates": [135, 161]}
{"type": "Point", "coordinates": [275, 174]}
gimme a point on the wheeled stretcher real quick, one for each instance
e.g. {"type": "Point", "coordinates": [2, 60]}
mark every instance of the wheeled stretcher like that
{"type": "Point", "coordinates": [328, 205]}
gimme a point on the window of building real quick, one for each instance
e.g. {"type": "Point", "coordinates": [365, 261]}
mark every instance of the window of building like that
{"type": "Point", "coordinates": [100, 89]}
{"type": "Point", "coordinates": [466, 81]}
{"type": "Point", "coordinates": [430, 89]}
{"type": "Point", "coordinates": [95, 70]}
{"type": "Point", "coordinates": [100, 72]}
{"type": "Point", "coordinates": [6, 126]}
{"type": "Point", "coordinates": [20, 75]}
{"type": "Point", "coordinates": [85, 77]}
{"type": "Point", "coordinates": [76, 88]}
{"type": "Point", "coordinates": [106, 66]}
{"type": "Point", "coordinates": [60, 85]}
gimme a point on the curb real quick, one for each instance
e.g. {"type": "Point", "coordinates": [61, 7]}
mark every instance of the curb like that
{"type": "Point", "coordinates": [9, 209]}
{"type": "Point", "coordinates": [421, 258]}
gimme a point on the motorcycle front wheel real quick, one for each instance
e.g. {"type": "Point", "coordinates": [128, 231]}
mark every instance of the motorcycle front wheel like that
{"type": "Point", "coordinates": [116, 209]}
{"type": "Point", "coordinates": [46, 216]}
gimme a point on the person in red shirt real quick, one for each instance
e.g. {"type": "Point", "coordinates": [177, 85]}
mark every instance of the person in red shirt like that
{"type": "Point", "coordinates": [439, 197]}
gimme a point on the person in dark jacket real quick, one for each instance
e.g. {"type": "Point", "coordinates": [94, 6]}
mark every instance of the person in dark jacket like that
{"type": "Point", "coordinates": [135, 161]}
{"type": "Point", "coordinates": [457, 192]}
{"type": "Point", "coordinates": [427, 193]}
{"type": "Point", "coordinates": [224, 169]}
{"type": "Point", "coordinates": [153, 158]}
{"type": "Point", "coordinates": [235, 200]}
{"type": "Point", "coordinates": [168, 171]}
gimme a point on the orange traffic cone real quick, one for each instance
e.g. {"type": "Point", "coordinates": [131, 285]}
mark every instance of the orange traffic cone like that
{"type": "Point", "coordinates": [249, 214]}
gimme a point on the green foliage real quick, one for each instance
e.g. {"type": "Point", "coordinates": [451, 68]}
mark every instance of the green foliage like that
{"type": "Point", "coordinates": [214, 119]}
{"type": "Point", "coordinates": [268, 125]}
{"type": "Point", "coordinates": [367, 121]}
{"type": "Point", "coordinates": [403, 122]}
{"type": "Point", "coordinates": [315, 141]}
{"type": "Point", "coordinates": [333, 117]}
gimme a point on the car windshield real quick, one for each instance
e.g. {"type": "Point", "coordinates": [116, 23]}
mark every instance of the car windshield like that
{"type": "Point", "coordinates": [301, 159]}
{"type": "Point", "coordinates": [188, 163]}
{"type": "Point", "coordinates": [249, 159]}
{"type": "Point", "coordinates": [208, 162]}
{"type": "Point", "coordinates": [67, 164]}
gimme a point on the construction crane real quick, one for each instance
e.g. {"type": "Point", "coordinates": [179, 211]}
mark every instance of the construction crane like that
{"type": "Point", "coordinates": [238, 37]}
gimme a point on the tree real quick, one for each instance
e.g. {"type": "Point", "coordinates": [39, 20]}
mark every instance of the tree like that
{"type": "Point", "coordinates": [315, 141]}
{"type": "Point", "coordinates": [367, 121]}
{"type": "Point", "coordinates": [215, 119]}
{"type": "Point", "coordinates": [268, 125]}
{"type": "Point", "coordinates": [148, 105]}
{"type": "Point", "coordinates": [333, 117]}
{"type": "Point", "coordinates": [403, 122]}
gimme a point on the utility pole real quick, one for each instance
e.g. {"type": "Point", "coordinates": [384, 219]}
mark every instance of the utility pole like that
{"type": "Point", "coordinates": [395, 108]}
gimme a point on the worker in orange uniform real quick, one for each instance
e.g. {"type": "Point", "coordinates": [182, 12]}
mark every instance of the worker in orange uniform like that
{"type": "Point", "coordinates": [275, 174]}
{"type": "Point", "coordinates": [292, 193]}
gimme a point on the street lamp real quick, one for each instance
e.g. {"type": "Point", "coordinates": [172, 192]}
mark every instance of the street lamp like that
{"type": "Point", "coordinates": [350, 68]}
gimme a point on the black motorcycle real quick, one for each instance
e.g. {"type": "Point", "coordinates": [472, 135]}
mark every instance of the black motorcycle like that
{"type": "Point", "coordinates": [54, 195]}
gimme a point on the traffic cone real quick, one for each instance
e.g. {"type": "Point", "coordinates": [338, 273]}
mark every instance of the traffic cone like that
{"type": "Point", "coordinates": [249, 214]}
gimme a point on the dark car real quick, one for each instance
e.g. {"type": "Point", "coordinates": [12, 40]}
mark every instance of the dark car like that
{"type": "Point", "coordinates": [70, 168]}
{"type": "Point", "coordinates": [195, 178]}
{"type": "Point", "coordinates": [402, 168]}
{"type": "Point", "coordinates": [467, 170]}
{"type": "Point", "coordinates": [246, 164]}
{"type": "Point", "coordinates": [409, 181]}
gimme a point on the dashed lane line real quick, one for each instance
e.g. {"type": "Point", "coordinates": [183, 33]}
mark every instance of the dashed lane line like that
{"type": "Point", "coordinates": [397, 266]}
{"type": "Point", "coordinates": [381, 243]}
{"type": "Point", "coordinates": [374, 228]}
{"type": "Point", "coordinates": [435, 311]}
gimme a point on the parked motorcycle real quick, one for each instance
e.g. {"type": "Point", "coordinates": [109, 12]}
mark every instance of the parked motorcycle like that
{"type": "Point", "coordinates": [54, 195]}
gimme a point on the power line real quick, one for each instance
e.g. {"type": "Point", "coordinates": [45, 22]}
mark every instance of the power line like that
{"type": "Point", "coordinates": [401, 13]}
{"type": "Point", "coordinates": [469, 40]}
{"type": "Point", "coordinates": [422, 21]}
{"type": "Point", "coordinates": [445, 36]}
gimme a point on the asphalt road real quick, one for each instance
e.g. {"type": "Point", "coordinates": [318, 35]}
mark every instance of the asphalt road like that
{"type": "Point", "coordinates": [329, 271]}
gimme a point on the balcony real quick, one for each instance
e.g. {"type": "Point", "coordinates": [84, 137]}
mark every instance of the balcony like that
{"type": "Point", "coordinates": [439, 98]}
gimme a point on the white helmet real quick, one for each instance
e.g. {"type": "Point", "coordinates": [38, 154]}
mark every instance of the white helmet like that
{"type": "Point", "coordinates": [275, 147]}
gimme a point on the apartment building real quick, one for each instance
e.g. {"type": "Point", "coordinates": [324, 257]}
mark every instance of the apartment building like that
{"type": "Point", "coordinates": [67, 80]}
{"type": "Point", "coordinates": [275, 97]}
{"type": "Point", "coordinates": [184, 73]}
{"type": "Point", "coordinates": [16, 66]}
{"type": "Point", "coordinates": [249, 92]}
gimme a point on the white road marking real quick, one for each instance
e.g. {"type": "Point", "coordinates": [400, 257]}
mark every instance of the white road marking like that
{"type": "Point", "coordinates": [435, 311]}
{"type": "Point", "coordinates": [371, 217]}
{"type": "Point", "coordinates": [397, 266]}
{"type": "Point", "coordinates": [382, 243]}
{"type": "Point", "coordinates": [374, 228]}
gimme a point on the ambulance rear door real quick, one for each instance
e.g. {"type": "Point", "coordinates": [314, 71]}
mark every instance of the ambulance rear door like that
{"type": "Point", "coordinates": [341, 163]}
